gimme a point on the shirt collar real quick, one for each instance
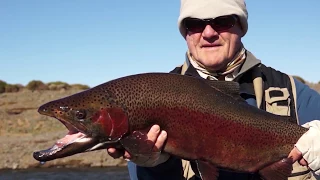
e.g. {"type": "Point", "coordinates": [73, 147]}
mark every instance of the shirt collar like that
{"type": "Point", "coordinates": [250, 62]}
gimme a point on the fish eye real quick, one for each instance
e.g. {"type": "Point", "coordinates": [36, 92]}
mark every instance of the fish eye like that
{"type": "Point", "coordinates": [81, 114]}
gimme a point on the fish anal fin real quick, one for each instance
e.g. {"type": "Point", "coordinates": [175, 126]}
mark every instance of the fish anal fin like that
{"type": "Point", "coordinates": [207, 170]}
{"type": "Point", "coordinates": [279, 170]}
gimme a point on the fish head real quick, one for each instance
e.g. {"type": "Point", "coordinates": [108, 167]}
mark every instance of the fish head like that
{"type": "Point", "coordinates": [94, 121]}
{"type": "Point", "coordinates": [76, 118]}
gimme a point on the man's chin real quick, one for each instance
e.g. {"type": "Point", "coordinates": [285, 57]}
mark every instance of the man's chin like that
{"type": "Point", "coordinates": [213, 63]}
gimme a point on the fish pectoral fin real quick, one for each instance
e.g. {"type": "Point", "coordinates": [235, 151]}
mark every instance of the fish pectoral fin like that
{"type": "Point", "coordinates": [207, 171]}
{"type": "Point", "coordinates": [279, 170]}
{"type": "Point", "coordinates": [137, 143]}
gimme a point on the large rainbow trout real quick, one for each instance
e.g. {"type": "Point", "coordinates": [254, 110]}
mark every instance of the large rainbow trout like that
{"type": "Point", "coordinates": [206, 121]}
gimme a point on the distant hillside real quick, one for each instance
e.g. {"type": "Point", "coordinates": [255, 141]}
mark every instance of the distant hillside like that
{"type": "Point", "coordinates": [39, 85]}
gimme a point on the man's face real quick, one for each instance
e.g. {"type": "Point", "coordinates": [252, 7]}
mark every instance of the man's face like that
{"type": "Point", "coordinates": [213, 49]}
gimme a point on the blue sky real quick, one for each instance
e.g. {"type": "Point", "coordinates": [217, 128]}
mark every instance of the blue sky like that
{"type": "Point", "coordinates": [91, 42]}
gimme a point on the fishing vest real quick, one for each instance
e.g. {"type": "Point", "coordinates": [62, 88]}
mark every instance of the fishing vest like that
{"type": "Point", "coordinates": [274, 92]}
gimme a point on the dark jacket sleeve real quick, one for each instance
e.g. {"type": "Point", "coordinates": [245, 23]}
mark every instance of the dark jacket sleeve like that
{"type": "Point", "coordinates": [169, 170]}
{"type": "Point", "coordinates": [308, 103]}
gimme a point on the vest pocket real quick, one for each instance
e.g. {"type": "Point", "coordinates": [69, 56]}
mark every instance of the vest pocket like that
{"type": "Point", "coordinates": [278, 101]}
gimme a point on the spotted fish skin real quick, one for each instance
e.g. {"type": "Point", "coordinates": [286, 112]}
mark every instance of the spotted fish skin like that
{"type": "Point", "coordinates": [203, 121]}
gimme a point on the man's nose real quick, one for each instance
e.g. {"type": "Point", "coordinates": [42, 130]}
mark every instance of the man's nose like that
{"type": "Point", "coordinates": [209, 32]}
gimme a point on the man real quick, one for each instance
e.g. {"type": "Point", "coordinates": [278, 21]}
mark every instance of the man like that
{"type": "Point", "coordinates": [213, 30]}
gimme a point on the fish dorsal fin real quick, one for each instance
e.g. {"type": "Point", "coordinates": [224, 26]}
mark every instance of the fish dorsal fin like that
{"type": "Point", "coordinates": [229, 88]}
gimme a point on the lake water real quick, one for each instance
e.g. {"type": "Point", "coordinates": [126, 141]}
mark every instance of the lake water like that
{"type": "Point", "coordinates": [66, 174]}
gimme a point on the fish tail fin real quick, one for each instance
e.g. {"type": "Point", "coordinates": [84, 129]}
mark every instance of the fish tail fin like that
{"type": "Point", "coordinates": [279, 170]}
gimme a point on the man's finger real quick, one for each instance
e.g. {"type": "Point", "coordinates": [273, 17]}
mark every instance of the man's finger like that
{"type": "Point", "coordinates": [127, 155]}
{"type": "Point", "coordinates": [295, 154]}
{"type": "Point", "coordinates": [160, 141]}
{"type": "Point", "coordinates": [153, 133]}
{"type": "Point", "coordinates": [114, 153]}
{"type": "Point", "coordinates": [303, 162]}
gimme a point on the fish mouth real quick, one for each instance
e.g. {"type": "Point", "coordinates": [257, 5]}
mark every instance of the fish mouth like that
{"type": "Point", "coordinates": [76, 141]}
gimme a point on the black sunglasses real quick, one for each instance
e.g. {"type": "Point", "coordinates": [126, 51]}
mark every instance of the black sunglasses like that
{"type": "Point", "coordinates": [219, 24]}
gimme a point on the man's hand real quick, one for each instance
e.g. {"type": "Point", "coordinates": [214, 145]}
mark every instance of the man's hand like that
{"type": "Point", "coordinates": [148, 160]}
{"type": "Point", "coordinates": [307, 149]}
{"type": "Point", "coordinates": [296, 155]}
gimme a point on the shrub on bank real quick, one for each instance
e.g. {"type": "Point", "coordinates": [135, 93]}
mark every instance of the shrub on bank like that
{"type": "Point", "coordinates": [13, 87]}
{"type": "Point", "coordinates": [80, 86]}
{"type": "Point", "coordinates": [57, 85]}
{"type": "Point", "coordinates": [2, 86]}
{"type": "Point", "coordinates": [36, 85]}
